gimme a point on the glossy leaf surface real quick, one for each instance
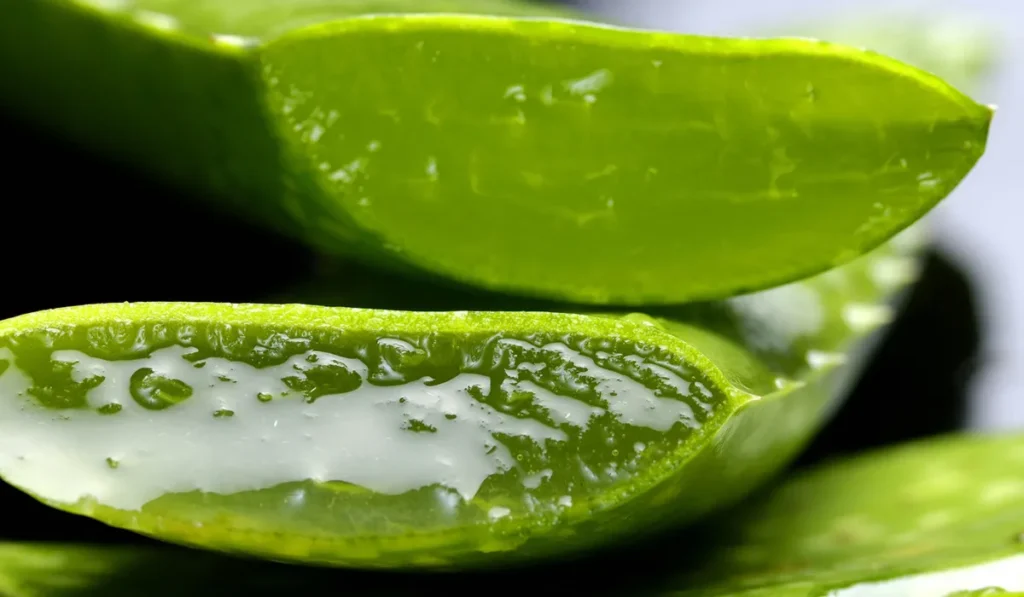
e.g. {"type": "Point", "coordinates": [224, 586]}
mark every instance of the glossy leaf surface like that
{"type": "Point", "coordinates": [578, 161]}
{"type": "Point", "coordinates": [849, 531]}
{"type": "Point", "coordinates": [956, 47]}
{"type": "Point", "coordinates": [84, 570]}
{"type": "Point", "coordinates": [387, 438]}
{"type": "Point", "coordinates": [927, 519]}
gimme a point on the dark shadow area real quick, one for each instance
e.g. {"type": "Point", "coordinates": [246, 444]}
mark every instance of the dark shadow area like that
{"type": "Point", "coordinates": [916, 383]}
{"type": "Point", "coordinates": [79, 229]}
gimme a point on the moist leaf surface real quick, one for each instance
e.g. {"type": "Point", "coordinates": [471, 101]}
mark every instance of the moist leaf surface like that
{"type": "Point", "coordinates": [580, 161]}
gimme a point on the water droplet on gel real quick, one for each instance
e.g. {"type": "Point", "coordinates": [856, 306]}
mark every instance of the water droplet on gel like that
{"type": "Point", "coordinates": [223, 412]}
{"type": "Point", "coordinates": [157, 392]}
{"type": "Point", "coordinates": [643, 319]}
{"type": "Point", "coordinates": [264, 397]}
{"type": "Point", "coordinates": [109, 409]}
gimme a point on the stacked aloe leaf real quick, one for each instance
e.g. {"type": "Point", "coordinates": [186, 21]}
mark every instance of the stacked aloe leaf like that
{"type": "Point", "coordinates": [610, 282]}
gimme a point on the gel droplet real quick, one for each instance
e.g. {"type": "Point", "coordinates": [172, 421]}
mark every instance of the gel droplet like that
{"type": "Point", "coordinates": [157, 392]}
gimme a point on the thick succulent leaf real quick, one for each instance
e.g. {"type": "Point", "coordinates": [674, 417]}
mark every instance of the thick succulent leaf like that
{"type": "Point", "coordinates": [927, 519]}
{"type": "Point", "coordinates": [81, 570]}
{"type": "Point", "coordinates": [84, 570]}
{"type": "Point", "coordinates": [367, 437]}
{"type": "Point", "coordinates": [542, 156]}
{"type": "Point", "coordinates": [851, 530]}
{"type": "Point", "coordinates": [57, 570]}
{"type": "Point", "coordinates": [958, 48]}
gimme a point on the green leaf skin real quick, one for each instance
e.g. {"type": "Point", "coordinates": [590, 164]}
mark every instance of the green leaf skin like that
{"type": "Point", "coordinates": [547, 157]}
{"type": "Point", "coordinates": [933, 518]}
{"type": "Point", "coordinates": [826, 545]}
{"type": "Point", "coordinates": [374, 438]}
{"type": "Point", "coordinates": [958, 49]}
{"type": "Point", "coordinates": [59, 570]}
{"type": "Point", "coordinates": [83, 570]}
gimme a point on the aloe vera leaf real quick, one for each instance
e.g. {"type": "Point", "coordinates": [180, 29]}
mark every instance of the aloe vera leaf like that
{"type": "Point", "coordinates": [375, 438]}
{"type": "Point", "coordinates": [84, 570]}
{"type": "Point", "coordinates": [960, 50]}
{"type": "Point", "coordinates": [927, 518]}
{"type": "Point", "coordinates": [580, 161]}
{"type": "Point", "coordinates": [70, 570]}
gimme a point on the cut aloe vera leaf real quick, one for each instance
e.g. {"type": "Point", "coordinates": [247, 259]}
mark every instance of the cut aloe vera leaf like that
{"type": "Point", "coordinates": [364, 437]}
{"type": "Point", "coordinates": [930, 518]}
{"type": "Point", "coordinates": [958, 48]}
{"type": "Point", "coordinates": [576, 161]}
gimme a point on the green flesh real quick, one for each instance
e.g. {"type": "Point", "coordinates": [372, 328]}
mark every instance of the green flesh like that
{"type": "Point", "coordinates": [578, 161]}
{"type": "Point", "coordinates": [388, 438]}
{"type": "Point", "coordinates": [930, 518]}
